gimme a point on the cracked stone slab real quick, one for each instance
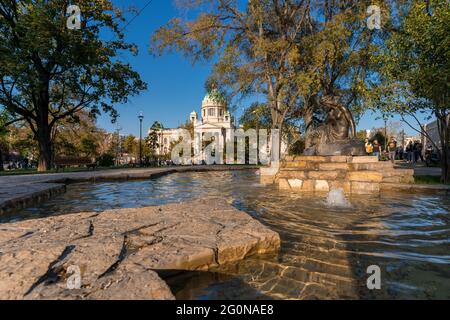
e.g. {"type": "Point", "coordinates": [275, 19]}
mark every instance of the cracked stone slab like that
{"type": "Point", "coordinates": [117, 251]}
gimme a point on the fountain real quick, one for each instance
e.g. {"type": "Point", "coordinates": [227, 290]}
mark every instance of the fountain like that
{"type": "Point", "coordinates": [336, 198]}
{"type": "Point", "coordinates": [335, 159]}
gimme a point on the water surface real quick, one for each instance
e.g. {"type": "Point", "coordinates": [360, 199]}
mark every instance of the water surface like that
{"type": "Point", "coordinates": [325, 251]}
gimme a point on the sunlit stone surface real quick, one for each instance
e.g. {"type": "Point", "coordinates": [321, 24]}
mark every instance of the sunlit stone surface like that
{"type": "Point", "coordinates": [353, 174]}
{"type": "Point", "coordinates": [325, 250]}
{"type": "Point", "coordinates": [117, 250]}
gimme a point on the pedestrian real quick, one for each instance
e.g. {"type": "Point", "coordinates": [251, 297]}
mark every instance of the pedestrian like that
{"type": "Point", "coordinates": [415, 151]}
{"type": "Point", "coordinates": [392, 147]}
{"type": "Point", "coordinates": [376, 149]}
{"type": "Point", "coordinates": [369, 147]}
{"type": "Point", "coordinates": [400, 152]}
{"type": "Point", "coordinates": [409, 152]}
{"type": "Point", "coordinates": [420, 151]}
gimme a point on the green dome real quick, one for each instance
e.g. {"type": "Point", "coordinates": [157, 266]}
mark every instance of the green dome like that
{"type": "Point", "coordinates": [213, 98]}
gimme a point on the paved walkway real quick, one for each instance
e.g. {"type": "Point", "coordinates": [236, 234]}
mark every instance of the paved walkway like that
{"type": "Point", "coordinates": [19, 191]}
{"type": "Point", "coordinates": [420, 169]}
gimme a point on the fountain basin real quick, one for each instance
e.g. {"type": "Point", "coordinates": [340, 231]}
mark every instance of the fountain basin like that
{"type": "Point", "coordinates": [353, 174]}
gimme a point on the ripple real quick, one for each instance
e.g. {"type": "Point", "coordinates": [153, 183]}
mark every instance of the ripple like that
{"type": "Point", "coordinates": [325, 250]}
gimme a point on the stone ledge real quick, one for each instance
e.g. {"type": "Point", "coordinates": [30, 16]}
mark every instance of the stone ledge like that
{"type": "Point", "coordinates": [17, 192]}
{"type": "Point", "coordinates": [406, 187]}
{"type": "Point", "coordinates": [117, 250]}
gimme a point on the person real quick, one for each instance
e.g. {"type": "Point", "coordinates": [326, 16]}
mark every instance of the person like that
{"type": "Point", "coordinates": [369, 147]}
{"type": "Point", "coordinates": [392, 148]}
{"type": "Point", "coordinates": [415, 151]}
{"type": "Point", "coordinates": [400, 152]}
{"type": "Point", "coordinates": [376, 149]}
{"type": "Point", "coordinates": [420, 151]}
{"type": "Point", "coordinates": [409, 152]}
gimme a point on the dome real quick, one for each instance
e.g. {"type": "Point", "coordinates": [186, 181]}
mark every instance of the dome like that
{"type": "Point", "coordinates": [213, 99]}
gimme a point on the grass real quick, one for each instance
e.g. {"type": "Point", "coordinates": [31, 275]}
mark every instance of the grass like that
{"type": "Point", "coordinates": [428, 180]}
{"type": "Point", "coordinates": [18, 172]}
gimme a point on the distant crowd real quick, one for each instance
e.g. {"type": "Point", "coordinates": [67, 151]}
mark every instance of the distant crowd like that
{"type": "Point", "coordinates": [411, 153]}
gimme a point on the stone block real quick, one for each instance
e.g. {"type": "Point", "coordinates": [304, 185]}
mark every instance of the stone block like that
{"type": "Point", "coordinates": [365, 176]}
{"type": "Point", "coordinates": [398, 172]}
{"type": "Point", "coordinates": [365, 187]}
{"type": "Point", "coordinates": [296, 184]}
{"type": "Point", "coordinates": [323, 175]}
{"type": "Point", "coordinates": [399, 179]}
{"type": "Point", "coordinates": [312, 158]}
{"type": "Point", "coordinates": [321, 186]}
{"type": "Point", "coordinates": [308, 185]}
{"type": "Point", "coordinates": [292, 174]}
{"type": "Point", "coordinates": [333, 166]}
{"type": "Point", "coordinates": [375, 166]}
{"type": "Point", "coordinates": [339, 159]}
{"type": "Point", "coordinates": [295, 164]}
{"type": "Point", "coordinates": [338, 184]}
{"type": "Point", "coordinates": [283, 184]}
{"type": "Point", "coordinates": [364, 159]}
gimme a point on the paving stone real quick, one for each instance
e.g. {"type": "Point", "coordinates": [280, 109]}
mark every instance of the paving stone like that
{"type": "Point", "coordinates": [116, 251]}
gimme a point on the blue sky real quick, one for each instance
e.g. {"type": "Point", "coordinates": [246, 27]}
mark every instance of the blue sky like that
{"type": "Point", "coordinates": [175, 86]}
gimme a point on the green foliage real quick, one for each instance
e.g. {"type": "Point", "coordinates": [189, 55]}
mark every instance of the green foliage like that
{"type": "Point", "coordinates": [152, 139]}
{"type": "Point", "coordinates": [379, 136]}
{"type": "Point", "coordinates": [361, 135]}
{"type": "Point", "coordinates": [297, 147]}
{"type": "Point", "coordinates": [292, 52]}
{"type": "Point", "coordinates": [106, 160]}
{"type": "Point", "coordinates": [49, 72]}
{"type": "Point", "coordinates": [256, 116]}
{"type": "Point", "coordinates": [415, 70]}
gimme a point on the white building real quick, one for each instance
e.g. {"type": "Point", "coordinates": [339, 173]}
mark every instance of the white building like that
{"type": "Point", "coordinates": [215, 120]}
{"type": "Point", "coordinates": [433, 132]}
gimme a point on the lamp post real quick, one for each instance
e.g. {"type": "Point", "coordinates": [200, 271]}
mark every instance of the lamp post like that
{"type": "Point", "coordinates": [385, 133]}
{"type": "Point", "coordinates": [141, 117]}
{"type": "Point", "coordinates": [256, 113]}
{"type": "Point", "coordinates": [118, 149]}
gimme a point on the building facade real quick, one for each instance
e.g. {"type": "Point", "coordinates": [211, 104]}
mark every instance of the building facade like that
{"type": "Point", "coordinates": [214, 121]}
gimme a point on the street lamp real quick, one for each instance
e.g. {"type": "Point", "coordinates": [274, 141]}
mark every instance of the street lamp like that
{"type": "Point", "coordinates": [256, 113]}
{"type": "Point", "coordinates": [141, 117]}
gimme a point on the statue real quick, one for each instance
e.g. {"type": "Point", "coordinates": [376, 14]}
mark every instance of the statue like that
{"type": "Point", "coordinates": [333, 136]}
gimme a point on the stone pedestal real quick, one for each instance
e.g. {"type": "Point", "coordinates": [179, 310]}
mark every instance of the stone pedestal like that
{"type": "Point", "coordinates": [353, 174]}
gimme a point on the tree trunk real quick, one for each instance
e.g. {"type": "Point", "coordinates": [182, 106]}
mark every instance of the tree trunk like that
{"type": "Point", "coordinates": [45, 150]}
{"type": "Point", "coordinates": [445, 149]}
{"type": "Point", "coordinates": [44, 130]}
{"type": "Point", "coordinates": [445, 176]}
{"type": "Point", "coordinates": [1, 158]}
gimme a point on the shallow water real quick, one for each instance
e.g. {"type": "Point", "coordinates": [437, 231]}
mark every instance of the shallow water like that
{"type": "Point", "coordinates": [325, 250]}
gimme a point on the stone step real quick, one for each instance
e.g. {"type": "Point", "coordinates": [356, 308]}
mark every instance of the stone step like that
{"type": "Point", "coordinates": [399, 179]}
{"type": "Point", "coordinates": [362, 176]}
{"type": "Point", "coordinates": [334, 159]}
{"type": "Point", "coordinates": [374, 166]}
{"type": "Point", "coordinates": [310, 185]}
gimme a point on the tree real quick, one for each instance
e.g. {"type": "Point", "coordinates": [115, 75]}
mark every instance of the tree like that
{"type": "Point", "coordinates": [77, 136]}
{"type": "Point", "coordinates": [152, 140]}
{"type": "Point", "coordinates": [3, 133]}
{"type": "Point", "coordinates": [416, 70]}
{"type": "Point", "coordinates": [48, 71]}
{"type": "Point", "coordinates": [130, 145]}
{"type": "Point", "coordinates": [293, 52]}
{"type": "Point", "coordinates": [256, 46]}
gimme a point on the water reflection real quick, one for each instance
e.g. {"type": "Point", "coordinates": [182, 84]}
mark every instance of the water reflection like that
{"type": "Point", "coordinates": [325, 250]}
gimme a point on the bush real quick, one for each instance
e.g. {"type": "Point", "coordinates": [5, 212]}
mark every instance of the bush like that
{"type": "Point", "coordinates": [106, 160]}
{"type": "Point", "coordinates": [297, 148]}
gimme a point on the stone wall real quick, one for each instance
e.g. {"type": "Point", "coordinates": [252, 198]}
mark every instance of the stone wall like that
{"type": "Point", "coordinates": [353, 174]}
